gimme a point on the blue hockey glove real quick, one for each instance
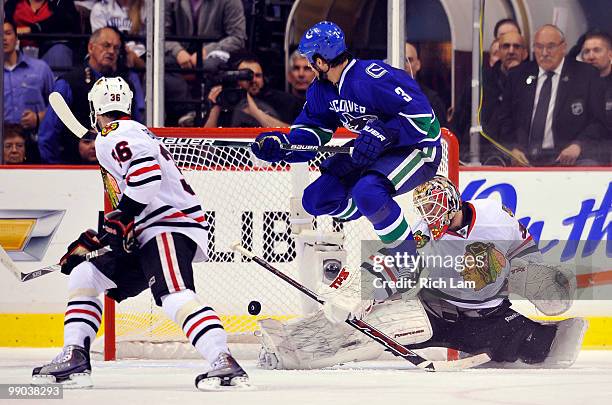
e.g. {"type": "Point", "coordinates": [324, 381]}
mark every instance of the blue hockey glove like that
{"type": "Point", "coordinates": [119, 227]}
{"type": "Point", "coordinates": [267, 146]}
{"type": "Point", "coordinates": [370, 143]}
{"type": "Point", "coordinates": [341, 165]}
{"type": "Point", "coordinates": [87, 242]}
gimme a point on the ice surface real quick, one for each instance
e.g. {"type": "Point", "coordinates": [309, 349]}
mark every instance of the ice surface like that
{"type": "Point", "coordinates": [131, 382]}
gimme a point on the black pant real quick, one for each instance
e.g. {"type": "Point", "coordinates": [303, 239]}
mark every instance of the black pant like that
{"type": "Point", "coordinates": [163, 264]}
{"type": "Point", "coordinates": [501, 332]}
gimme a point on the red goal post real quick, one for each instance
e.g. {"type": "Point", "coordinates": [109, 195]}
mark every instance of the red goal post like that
{"type": "Point", "coordinates": [255, 195]}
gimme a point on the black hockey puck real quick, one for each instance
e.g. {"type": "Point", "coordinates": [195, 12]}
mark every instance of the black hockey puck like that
{"type": "Point", "coordinates": [254, 308]}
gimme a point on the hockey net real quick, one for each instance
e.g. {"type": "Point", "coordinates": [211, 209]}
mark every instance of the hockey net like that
{"type": "Point", "coordinates": [248, 200]}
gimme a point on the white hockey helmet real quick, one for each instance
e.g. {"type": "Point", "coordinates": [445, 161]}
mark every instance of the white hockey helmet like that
{"type": "Point", "coordinates": [437, 201]}
{"type": "Point", "coordinates": [109, 94]}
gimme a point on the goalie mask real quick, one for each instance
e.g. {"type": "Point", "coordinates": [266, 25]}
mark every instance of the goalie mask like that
{"type": "Point", "coordinates": [437, 201]}
{"type": "Point", "coordinates": [109, 94]}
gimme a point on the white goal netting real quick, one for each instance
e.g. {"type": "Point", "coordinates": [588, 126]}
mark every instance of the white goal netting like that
{"type": "Point", "coordinates": [245, 200]}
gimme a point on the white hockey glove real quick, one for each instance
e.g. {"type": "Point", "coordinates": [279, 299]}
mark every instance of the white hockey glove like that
{"type": "Point", "coordinates": [550, 287]}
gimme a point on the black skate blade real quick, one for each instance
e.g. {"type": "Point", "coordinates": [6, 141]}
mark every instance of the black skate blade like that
{"type": "Point", "coordinates": [213, 384]}
{"type": "Point", "coordinates": [74, 381]}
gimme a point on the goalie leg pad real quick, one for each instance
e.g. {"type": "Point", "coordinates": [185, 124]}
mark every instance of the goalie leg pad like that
{"type": "Point", "coordinates": [404, 320]}
{"type": "Point", "coordinates": [312, 342]}
{"type": "Point", "coordinates": [567, 343]}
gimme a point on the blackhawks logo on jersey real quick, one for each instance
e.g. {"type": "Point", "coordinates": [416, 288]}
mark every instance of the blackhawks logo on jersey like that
{"type": "Point", "coordinates": [420, 239]}
{"type": "Point", "coordinates": [109, 128]}
{"type": "Point", "coordinates": [483, 264]}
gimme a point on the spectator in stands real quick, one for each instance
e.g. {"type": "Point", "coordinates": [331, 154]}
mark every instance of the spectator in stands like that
{"type": "Point", "coordinates": [27, 85]}
{"type": "Point", "coordinates": [260, 107]}
{"type": "Point", "coordinates": [87, 151]}
{"type": "Point", "coordinates": [14, 145]}
{"type": "Point", "coordinates": [597, 51]}
{"type": "Point", "coordinates": [300, 75]}
{"type": "Point", "coordinates": [511, 52]}
{"type": "Point", "coordinates": [56, 143]}
{"type": "Point", "coordinates": [412, 66]}
{"type": "Point", "coordinates": [460, 116]}
{"type": "Point", "coordinates": [550, 112]}
{"type": "Point", "coordinates": [127, 16]}
{"type": "Point", "coordinates": [222, 21]}
{"type": "Point", "coordinates": [502, 27]}
{"type": "Point", "coordinates": [47, 17]}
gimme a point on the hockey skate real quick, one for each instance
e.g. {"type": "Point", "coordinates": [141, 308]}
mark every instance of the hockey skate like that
{"type": "Point", "coordinates": [225, 373]}
{"type": "Point", "coordinates": [71, 368]}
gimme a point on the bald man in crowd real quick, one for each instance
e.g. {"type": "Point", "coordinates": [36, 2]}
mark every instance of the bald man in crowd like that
{"type": "Point", "coordinates": [550, 114]}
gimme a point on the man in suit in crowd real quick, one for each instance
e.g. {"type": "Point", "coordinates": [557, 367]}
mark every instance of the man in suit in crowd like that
{"type": "Point", "coordinates": [550, 113]}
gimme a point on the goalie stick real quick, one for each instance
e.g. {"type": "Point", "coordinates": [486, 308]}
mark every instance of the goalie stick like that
{"type": "Point", "coordinates": [391, 344]}
{"type": "Point", "coordinates": [10, 265]}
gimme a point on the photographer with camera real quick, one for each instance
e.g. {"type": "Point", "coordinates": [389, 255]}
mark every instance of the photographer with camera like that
{"type": "Point", "coordinates": [242, 100]}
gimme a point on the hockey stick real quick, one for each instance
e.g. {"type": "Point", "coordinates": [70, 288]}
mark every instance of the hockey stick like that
{"type": "Point", "coordinates": [65, 115]}
{"type": "Point", "coordinates": [7, 262]}
{"type": "Point", "coordinates": [392, 345]}
{"type": "Point", "coordinates": [245, 144]}
{"type": "Point", "coordinates": [69, 120]}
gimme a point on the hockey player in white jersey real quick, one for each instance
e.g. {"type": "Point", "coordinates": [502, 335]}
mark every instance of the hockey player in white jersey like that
{"type": "Point", "coordinates": [155, 232]}
{"type": "Point", "coordinates": [461, 304]}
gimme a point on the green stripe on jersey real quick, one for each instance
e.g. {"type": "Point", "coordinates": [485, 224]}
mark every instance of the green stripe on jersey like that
{"type": "Point", "coordinates": [323, 134]}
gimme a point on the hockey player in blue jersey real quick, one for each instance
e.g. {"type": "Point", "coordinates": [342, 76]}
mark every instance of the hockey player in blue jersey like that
{"type": "Point", "coordinates": [397, 147]}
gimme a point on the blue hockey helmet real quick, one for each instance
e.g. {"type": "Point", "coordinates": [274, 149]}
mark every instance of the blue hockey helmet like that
{"type": "Point", "coordinates": [325, 39]}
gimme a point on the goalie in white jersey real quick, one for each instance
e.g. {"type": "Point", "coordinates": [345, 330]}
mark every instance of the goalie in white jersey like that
{"type": "Point", "coordinates": [461, 303]}
{"type": "Point", "coordinates": [155, 232]}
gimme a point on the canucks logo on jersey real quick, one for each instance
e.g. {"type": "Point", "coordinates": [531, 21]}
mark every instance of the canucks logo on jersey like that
{"type": "Point", "coordinates": [356, 124]}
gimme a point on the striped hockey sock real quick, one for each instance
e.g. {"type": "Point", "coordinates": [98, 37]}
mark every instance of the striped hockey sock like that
{"type": "Point", "coordinates": [82, 320]}
{"type": "Point", "coordinates": [200, 323]}
{"type": "Point", "coordinates": [205, 332]}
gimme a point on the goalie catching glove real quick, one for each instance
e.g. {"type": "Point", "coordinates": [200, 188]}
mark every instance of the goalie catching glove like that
{"type": "Point", "coordinates": [550, 287]}
{"type": "Point", "coordinates": [119, 226]}
{"type": "Point", "coordinates": [87, 242]}
{"type": "Point", "coordinates": [267, 146]}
